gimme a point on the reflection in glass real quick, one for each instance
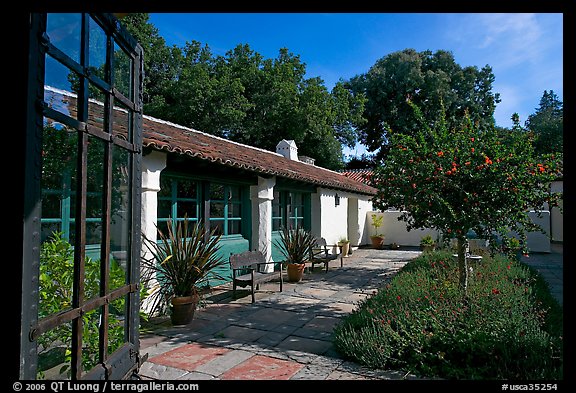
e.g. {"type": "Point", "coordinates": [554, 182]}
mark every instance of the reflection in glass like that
{"type": "Point", "coordinates": [122, 72]}
{"type": "Point", "coordinates": [120, 220]}
{"type": "Point", "coordinates": [234, 227]}
{"type": "Point", "coordinates": [64, 31]}
{"type": "Point", "coordinates": [54, 349]}
{"type": "Point", "coordinates": [218, 225]}
{"type": "Point", "coordinates": [186, 189]}
{"type": "Point", "coordinates": [186, 208]}
{"type": "Point", "coordinates": [122, 121]}
{"type": "Point", "coordinates": [116, 324]}
{"type": "Point", "coordinates": [60, 87]}
{"type": "Point", "coordinates": [94, 190]}
{"type": "Point", "coordinates": [97, 50]}
{"type": "Point", "coordinates": [58, 181]}
{"type": "Point", "coordinates": [217, 191]}
{"type": "Point", "coordinates": [216, 210]}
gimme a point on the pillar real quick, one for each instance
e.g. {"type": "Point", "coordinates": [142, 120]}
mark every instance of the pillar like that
{"type": "Point", "coordinates": [261, 196]}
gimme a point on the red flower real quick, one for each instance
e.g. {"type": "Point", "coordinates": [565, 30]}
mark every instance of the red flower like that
{"type": "Point", "coordinates": [398, 297]}
{"type": "Point", "coordinates": [472, 139]}
{"type": "Point", "coordinates": [495, 291]}
{"type": "Point", "coordinates": [440, 153]}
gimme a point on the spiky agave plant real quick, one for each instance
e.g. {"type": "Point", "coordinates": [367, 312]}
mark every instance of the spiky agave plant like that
{"type": "Point", "coordinates": [296, 244]}
{"type": "Point", "coordinates": [181, 261]}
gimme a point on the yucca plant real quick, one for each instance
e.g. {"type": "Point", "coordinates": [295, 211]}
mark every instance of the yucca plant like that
{"type": "Point", "coordinates": [296, 245]}
{"type": "Point", "coordinates": [181, 261]}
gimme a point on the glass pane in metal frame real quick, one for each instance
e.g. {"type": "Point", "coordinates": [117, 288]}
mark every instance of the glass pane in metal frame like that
{"type": "Point", "coordinates": [97, 50]}
{"type": "Point", "coordinates": [64, 31]}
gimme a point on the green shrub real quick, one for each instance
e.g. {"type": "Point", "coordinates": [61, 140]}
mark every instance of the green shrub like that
{"type": "Point", "coordinates": [56, 286]}
{"type": "Point", "coordinates": [420, 322]}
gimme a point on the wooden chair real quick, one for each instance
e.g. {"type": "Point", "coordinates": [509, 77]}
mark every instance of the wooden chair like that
{"type": "Point", "coordinates": [251, 261]}
{"type": "Point", "coordinates": [320, 254]}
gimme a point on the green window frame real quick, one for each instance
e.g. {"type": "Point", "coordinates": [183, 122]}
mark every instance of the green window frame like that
{"type": "Point", "coordinates": [225, 212]}
{"type": "Point", "coordinates": [179, 197]}
{"type": "Point", "coordinates": [289, 208]}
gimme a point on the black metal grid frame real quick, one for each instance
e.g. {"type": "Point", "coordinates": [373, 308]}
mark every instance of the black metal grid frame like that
{"type": "Point", "coordinates": [125, 359]}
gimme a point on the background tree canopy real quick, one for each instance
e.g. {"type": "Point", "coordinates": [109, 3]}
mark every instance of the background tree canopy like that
{"type": "Point", "coordinates": [432, 81]}
{"type": "Point", "coordinates": [246, 98]}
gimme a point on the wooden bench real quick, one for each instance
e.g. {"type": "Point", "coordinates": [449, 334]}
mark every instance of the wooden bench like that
{"type": "Point", "coordinates": [251, 261]}
{"type": "Point", "coordinates": [320, 254]}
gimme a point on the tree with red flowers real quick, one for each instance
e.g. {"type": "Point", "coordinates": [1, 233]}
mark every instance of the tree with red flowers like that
{"type": "Point", "coordinates": [469, 178]}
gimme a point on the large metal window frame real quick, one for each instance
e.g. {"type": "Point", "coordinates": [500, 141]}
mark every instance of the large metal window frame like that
{"type": "Point", "coordinates": [125, 359]}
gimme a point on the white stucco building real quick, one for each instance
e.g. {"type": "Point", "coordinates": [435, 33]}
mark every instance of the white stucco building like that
{"type": "Point", "coordinates": [248, 194]}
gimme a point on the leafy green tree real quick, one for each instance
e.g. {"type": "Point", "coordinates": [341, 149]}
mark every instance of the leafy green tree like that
{"type": "Point", "coordinates": [548, 124]}
{"type": "Point", "coordinates": [466, 178]}
{"type": "Point", "coordinates": [434, 82]}
{"type": "Point", "coordinates": [246, 98]}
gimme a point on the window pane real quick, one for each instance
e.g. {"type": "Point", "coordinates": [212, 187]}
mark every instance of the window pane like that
{"type": "Point", "coordinates": [64, 31]}
{"type": "Point", "coordinates": [96, 107]}
{"type": "Point", "coordinates": [164, 208]}
{"type": "Point", "coordinates": [276, 224]}
{"type": "Point", "coordinates": [296, 198]}
{"type": "Point", "coordinates": [186, 189]}
{"type": "Point", "coordinates": [53, 348]}
{"type": "Point", "coordinates": [58, 181]}
{"type": "Point", "coordinates": [94, 190]}
{"type": "Point", "coordinates": [216, 210]}
{"type": "Point", "coordinates": [122, 117]}
{"type": "Point", "coordinates": [122, 72]}
{"type": "Point", "coordinates": [60, 87]}
{"type": "Point", "coordinates": [187, 209]}
{"type": "Point", "coordinates": [217, 191]}
{"type": "Point", "coordinates": [117, 323]}
{"type": "Point", "coordinates": [234, 227]}
{"type": "Point", "coordinates": [218, 225]}
{"type": "Point", "coordinates": [97, 50]}
{"type": "Point", "coordinates": [165, 186]}
{"type": "Point", "coordinates": [120, 219]}
{"type": "Point", "coordinates": [234, 210]}
{"type": "Point", "coordinates": [234, 193]}
{"type": "Point", "coordinates": [163, 226]}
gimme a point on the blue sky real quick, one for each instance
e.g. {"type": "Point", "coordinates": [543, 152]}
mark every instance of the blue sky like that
{"type": "Point", "coordinates": [524, 50]}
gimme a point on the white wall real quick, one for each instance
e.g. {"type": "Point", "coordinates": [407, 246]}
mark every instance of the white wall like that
{"type": "Point", "coordinates": [333, 219]}
{"type": "Point", "coordinates": [395, 231]}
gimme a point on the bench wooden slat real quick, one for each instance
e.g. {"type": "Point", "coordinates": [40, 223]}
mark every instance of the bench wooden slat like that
{"type": "Point", "coordinates": [251, 260]}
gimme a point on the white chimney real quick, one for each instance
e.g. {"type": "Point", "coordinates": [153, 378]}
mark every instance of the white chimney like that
{"type": "Point", "coordinates": [288, 149]}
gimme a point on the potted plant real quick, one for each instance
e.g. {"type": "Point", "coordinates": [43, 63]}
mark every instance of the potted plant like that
{"type": "Point", "coordinates": [513, 248]}
{"type": "Point", "coordinates": [378, 238]}
{"type": "Point", "coordinates": [344, 245]}
{"type": "Point", "coordinates": [183, 261]}
{"type": "Point", "coordinates": [296, 245]}
{"type": "Point", "coordinates": [427, 243]}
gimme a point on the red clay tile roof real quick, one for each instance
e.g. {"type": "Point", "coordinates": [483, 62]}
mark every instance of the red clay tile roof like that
{"type": "Point", "coordinates": [173, 138]}
{"type": "Point", "coordinates": [162, 135]}
{"type": "Point", "coordinates": [361, 175]}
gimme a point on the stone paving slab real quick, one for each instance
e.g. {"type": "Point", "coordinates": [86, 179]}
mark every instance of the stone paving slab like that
{"type": "Point", "coordinates": [263, 367]}
{"type": "Point", "coordinates": [283, 335]}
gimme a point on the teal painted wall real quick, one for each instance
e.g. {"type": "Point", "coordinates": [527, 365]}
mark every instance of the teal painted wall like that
{"type": "Point", "coordinates": [229, 245]}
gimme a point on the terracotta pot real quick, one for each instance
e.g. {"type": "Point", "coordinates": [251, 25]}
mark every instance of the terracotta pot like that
{"type": "Point", "coordinates": [377, 242]}
{"type": "Point", "coordinates": [183, 308]}
{"type": "Point", "coordinates": [345, 249]}
{"type": "Point", "coordinates": [295, 271]}
{"type": "Point", "coordinates": [428, 247]}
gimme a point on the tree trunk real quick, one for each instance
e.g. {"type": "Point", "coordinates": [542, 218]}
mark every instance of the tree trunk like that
{"type": "Point", "coordinates": [462, 264]}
